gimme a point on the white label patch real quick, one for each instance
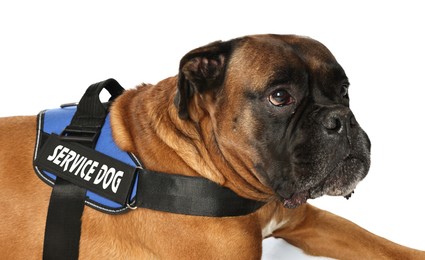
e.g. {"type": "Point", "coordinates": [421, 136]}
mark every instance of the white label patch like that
{"type": "Point", "coordinates": [87, 168]}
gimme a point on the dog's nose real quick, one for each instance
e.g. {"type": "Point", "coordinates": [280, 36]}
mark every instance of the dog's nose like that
{"type": "Point", "coordinates": [338, 120]}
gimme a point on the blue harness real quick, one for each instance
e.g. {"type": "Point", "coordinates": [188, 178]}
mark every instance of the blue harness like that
{"type": "Point", "coordinates": [54, 121]}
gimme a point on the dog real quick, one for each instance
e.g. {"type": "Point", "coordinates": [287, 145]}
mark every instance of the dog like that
{"type": "Point", "coordinates": [266, 116]}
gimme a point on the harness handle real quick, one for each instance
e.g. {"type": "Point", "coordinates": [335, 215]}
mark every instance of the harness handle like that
{"type": "Point", "coordinates": [87, 122]}
{"type": "Point", "coordinates": [90, 108]}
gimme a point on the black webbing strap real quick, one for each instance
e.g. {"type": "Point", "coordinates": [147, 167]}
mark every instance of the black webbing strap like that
{"type": "Point", "coordinates": [63, 225]}
{"type": "Point", "coordinates": [190, 196]}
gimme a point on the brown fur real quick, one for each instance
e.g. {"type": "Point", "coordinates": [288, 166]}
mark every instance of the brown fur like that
{"type": "Point", "coordinates": [146, 115]}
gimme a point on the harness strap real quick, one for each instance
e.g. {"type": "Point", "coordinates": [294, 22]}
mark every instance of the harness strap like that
{"type": "Point", "coordinates": [63, 225]}
{"type": "Point", "coordinates": [190, 196]}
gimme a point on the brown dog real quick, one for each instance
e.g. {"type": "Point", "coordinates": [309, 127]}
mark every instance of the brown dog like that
{"type": "Point", "coordinates": [266, 116]}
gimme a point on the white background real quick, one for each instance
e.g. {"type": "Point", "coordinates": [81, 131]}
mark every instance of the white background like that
{"type": "Point", "coordinates": [50, 51]}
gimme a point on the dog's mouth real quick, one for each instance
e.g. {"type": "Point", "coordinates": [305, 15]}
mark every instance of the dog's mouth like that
{"type": "Point", "coordinates": [296, 199]}
{"type": "Point", "coordinates": [341, 181]}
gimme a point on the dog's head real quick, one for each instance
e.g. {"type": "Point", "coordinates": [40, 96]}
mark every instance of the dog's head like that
{"type": "Point", "coordinates": [280, 104]}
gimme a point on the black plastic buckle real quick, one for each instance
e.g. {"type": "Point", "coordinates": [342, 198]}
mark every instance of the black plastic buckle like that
{"type": "Point", "coordinates": [81, 134]}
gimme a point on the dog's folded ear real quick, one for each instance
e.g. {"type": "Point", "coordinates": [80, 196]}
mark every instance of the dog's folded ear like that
{"type": "Point", "coordinates": [200, 70]}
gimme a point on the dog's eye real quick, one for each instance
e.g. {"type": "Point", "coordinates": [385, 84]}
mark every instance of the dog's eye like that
{"type": "Point", "coordinates": [344, 91]}
{"type": "Point", "coordinates": [280, 98]}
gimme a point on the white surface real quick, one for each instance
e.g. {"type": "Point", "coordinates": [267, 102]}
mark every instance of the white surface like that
{"type": "Point", "coordinates": [50, 51]}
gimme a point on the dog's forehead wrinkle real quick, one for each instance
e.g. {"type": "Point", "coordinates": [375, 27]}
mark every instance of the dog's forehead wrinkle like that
{"type": "Point", "coordinates": [264, 59]}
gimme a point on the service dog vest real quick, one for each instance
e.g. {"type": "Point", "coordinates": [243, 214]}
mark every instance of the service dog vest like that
{"type": "Point", "coordinates": [84, 168]}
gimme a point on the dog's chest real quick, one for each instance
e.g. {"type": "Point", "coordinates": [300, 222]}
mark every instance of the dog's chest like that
{"type": "Point", "coordinates": [272, 226]}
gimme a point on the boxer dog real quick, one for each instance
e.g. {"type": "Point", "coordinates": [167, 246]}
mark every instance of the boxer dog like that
{"type": "Point", "coordinates": [267, 116]}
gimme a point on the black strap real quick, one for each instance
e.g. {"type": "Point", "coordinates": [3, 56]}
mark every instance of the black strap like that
{"type": "Point", "coordinates": [190, 196]}
{"type": "Point", "coordinates": [63, 225]}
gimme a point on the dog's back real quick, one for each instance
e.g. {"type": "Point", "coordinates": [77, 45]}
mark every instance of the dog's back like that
{"type": "Point", "coordinates": [21, 228]}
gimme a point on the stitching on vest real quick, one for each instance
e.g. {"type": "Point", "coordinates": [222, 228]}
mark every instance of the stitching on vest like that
{"type": "Point", "coordinates": [37, 146]}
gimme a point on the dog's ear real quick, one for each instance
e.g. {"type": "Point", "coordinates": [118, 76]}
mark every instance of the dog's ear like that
{"type": "Point", "coordinates": [200, 70]}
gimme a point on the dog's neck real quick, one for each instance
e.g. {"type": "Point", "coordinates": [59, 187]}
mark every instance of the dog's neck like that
{"type": "Point", "coordinates": [145, 120]}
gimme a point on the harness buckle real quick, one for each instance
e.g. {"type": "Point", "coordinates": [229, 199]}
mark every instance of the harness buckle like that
{"type": "Point", "coordinates": [81, 134]}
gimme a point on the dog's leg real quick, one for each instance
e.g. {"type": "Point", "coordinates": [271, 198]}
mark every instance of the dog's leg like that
{"type": "Point", "coordinates": [319, 232]}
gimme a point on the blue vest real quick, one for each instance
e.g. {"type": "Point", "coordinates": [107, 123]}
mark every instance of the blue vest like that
{"type": "Point", "coordinates": [54, 121]}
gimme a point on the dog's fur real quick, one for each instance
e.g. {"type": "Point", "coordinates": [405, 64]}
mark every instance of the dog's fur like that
{"type": "Point", "coordinates": [266, 116]}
